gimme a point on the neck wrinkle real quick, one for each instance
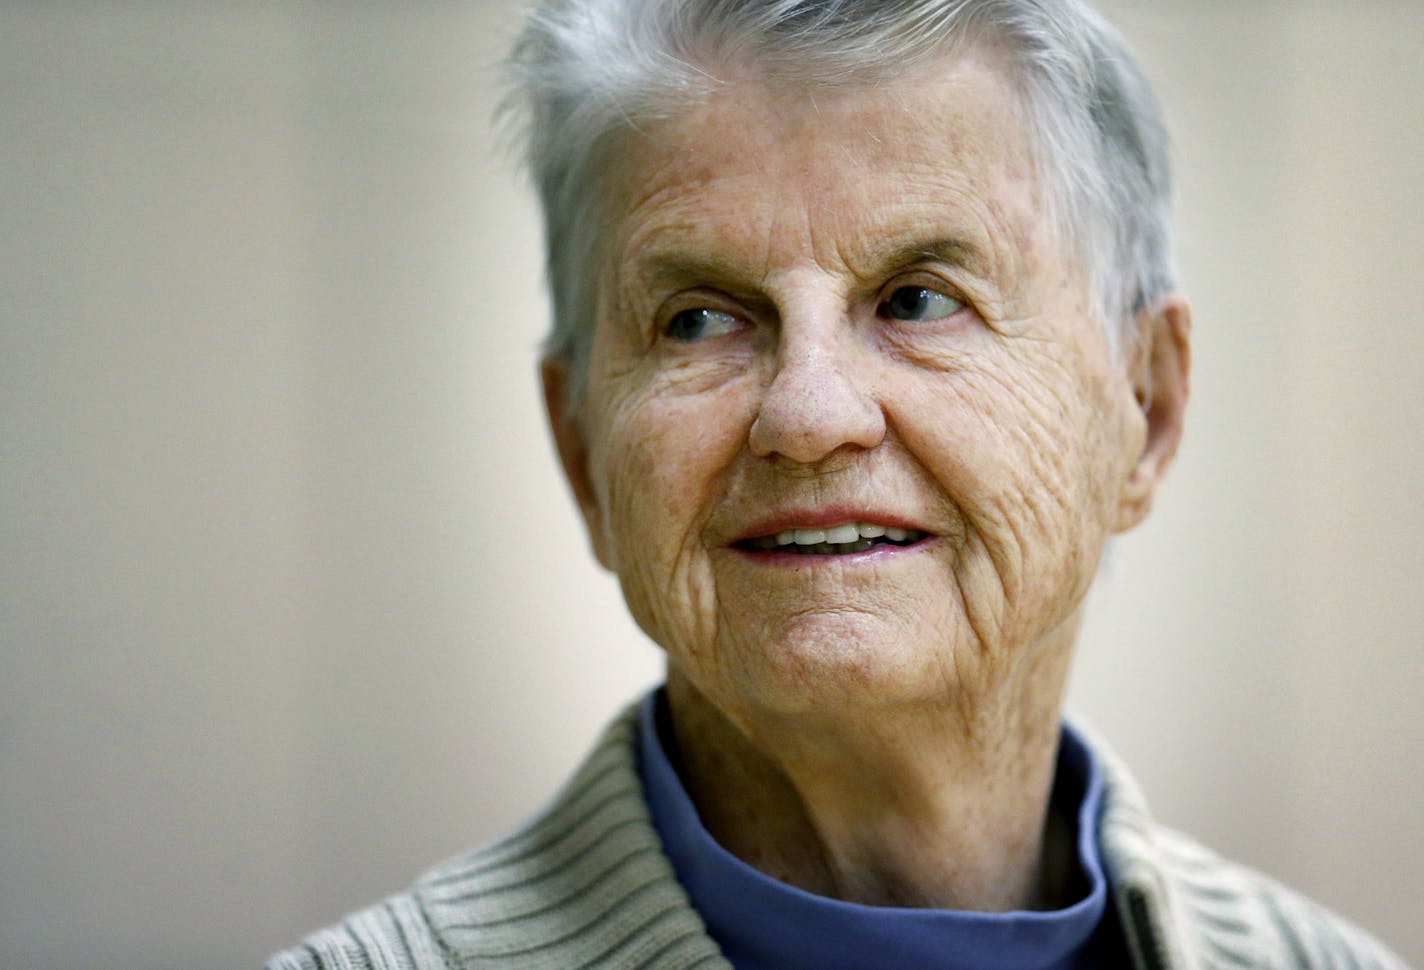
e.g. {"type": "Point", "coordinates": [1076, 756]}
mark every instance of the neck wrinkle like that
{"type": "Point", "coordinates": [865, 817]}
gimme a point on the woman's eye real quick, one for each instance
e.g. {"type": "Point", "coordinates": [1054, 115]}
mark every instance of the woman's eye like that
{"type": "Point", "coordinates": [918, 303]}
{"type": "Point", "coordinates": [688, 325]}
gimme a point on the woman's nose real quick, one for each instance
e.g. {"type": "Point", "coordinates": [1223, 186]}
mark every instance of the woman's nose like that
{"type": "Point", "coordinates": [816, 405]}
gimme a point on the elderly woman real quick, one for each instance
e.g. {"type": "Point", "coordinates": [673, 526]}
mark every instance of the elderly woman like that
{"type": "Point", "coordinates": [866, 342]}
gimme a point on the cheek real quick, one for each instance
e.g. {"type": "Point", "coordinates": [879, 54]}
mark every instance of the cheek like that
{"type": "Point", "coordinates": [972, 431]}
{"type": "Point", "coordinates": [661, 468]}
{"type": "Point", "coordinates": [1021, 452]}
{"type": "Point", "coordinates": [661, 463]}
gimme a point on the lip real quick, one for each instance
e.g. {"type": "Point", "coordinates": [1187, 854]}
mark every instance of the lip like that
{"type": "Point", "coordinates": [799, 560]}
{"type": "Point", "coordinates": [824, 517]}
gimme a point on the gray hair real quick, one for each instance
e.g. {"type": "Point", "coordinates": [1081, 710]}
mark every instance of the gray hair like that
{"type": "Point", "coordinates": [584, 73]}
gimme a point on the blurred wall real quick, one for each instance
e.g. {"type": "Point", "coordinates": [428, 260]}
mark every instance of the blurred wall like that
{"type": "Point", "coordinates": [292, 601]}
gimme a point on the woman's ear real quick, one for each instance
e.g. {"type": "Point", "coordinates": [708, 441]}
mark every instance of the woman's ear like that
{"type": "Point", "coordinates": [1160, 369]}
{"type": "Point", "coordinates": [571, 442]}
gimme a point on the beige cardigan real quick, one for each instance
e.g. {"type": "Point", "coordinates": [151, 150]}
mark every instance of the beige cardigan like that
{"type": "Point", "coordinates": [586, 884]}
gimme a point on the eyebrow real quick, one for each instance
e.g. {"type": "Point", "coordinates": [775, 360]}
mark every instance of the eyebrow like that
{"type": "Point", "coordinates": [678, 268]}
{"type": "Point", "coordinates": [948, 249]}
{"type": "Point", "coordinates": [675, 268]}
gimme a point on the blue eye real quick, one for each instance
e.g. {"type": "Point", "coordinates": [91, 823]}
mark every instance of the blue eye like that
{"type": "Point", "coordinates": [918, 303]}
{"type": "Point", "coordinates": [689, 325]}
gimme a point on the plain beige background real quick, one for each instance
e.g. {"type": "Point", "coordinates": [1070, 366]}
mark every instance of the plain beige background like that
{"type": "Point", "coordinates": [293, 602]}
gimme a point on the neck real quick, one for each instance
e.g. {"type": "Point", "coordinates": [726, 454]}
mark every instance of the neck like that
{"type": "Point", "coordinates": [942, 805]}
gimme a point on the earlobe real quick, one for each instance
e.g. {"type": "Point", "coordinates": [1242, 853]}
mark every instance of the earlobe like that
{"type": "Point", "coordinates": [571, 442]}
{"type": "Point", "coordinates": [1161, 380]}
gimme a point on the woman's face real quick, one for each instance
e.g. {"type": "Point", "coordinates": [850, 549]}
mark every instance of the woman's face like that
{"type": "Point", "coordinates": [851, 437]}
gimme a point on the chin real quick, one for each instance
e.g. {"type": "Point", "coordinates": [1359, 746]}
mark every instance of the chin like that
{"type": "Point", "coordinates": [827, 663]}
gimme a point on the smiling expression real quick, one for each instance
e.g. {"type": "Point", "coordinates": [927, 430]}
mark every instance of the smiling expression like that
{"type": "Point", "coordinates": [851, 435]}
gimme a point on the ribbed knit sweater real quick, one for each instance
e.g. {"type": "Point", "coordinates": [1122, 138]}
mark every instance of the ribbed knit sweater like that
{"type": "Point", "coordinates": [586, 884]}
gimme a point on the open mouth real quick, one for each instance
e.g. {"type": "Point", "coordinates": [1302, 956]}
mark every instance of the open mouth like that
{"type": "Point", "coordinates": [839, 540]}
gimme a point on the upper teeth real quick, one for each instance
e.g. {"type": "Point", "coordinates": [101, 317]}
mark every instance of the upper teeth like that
{"type": "Point", "coordinates": [849, 532]}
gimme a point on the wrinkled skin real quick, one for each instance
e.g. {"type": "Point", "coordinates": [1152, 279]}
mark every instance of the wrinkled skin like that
{"type": "Point", "coordinates": [864, 704]}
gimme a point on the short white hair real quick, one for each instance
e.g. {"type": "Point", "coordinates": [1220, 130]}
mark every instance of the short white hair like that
{"type": "Point", "coordinates": [584, 73]}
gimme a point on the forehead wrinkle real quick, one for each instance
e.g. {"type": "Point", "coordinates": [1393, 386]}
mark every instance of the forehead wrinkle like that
{"type": "Point", "coordinates": [963, 209]}
{"type": "Point", "coordinates": [693, 220]}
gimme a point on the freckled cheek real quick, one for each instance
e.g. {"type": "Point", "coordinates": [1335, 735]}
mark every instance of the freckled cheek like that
{"type": "Point", "coordinates": [958, 438]}
{"type": "Point", "coordinates": [628, 482]}
{"type": "Point", "coordinates": [663, 461]}
{"type": "Point", "coordinates": [1004, 456]}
